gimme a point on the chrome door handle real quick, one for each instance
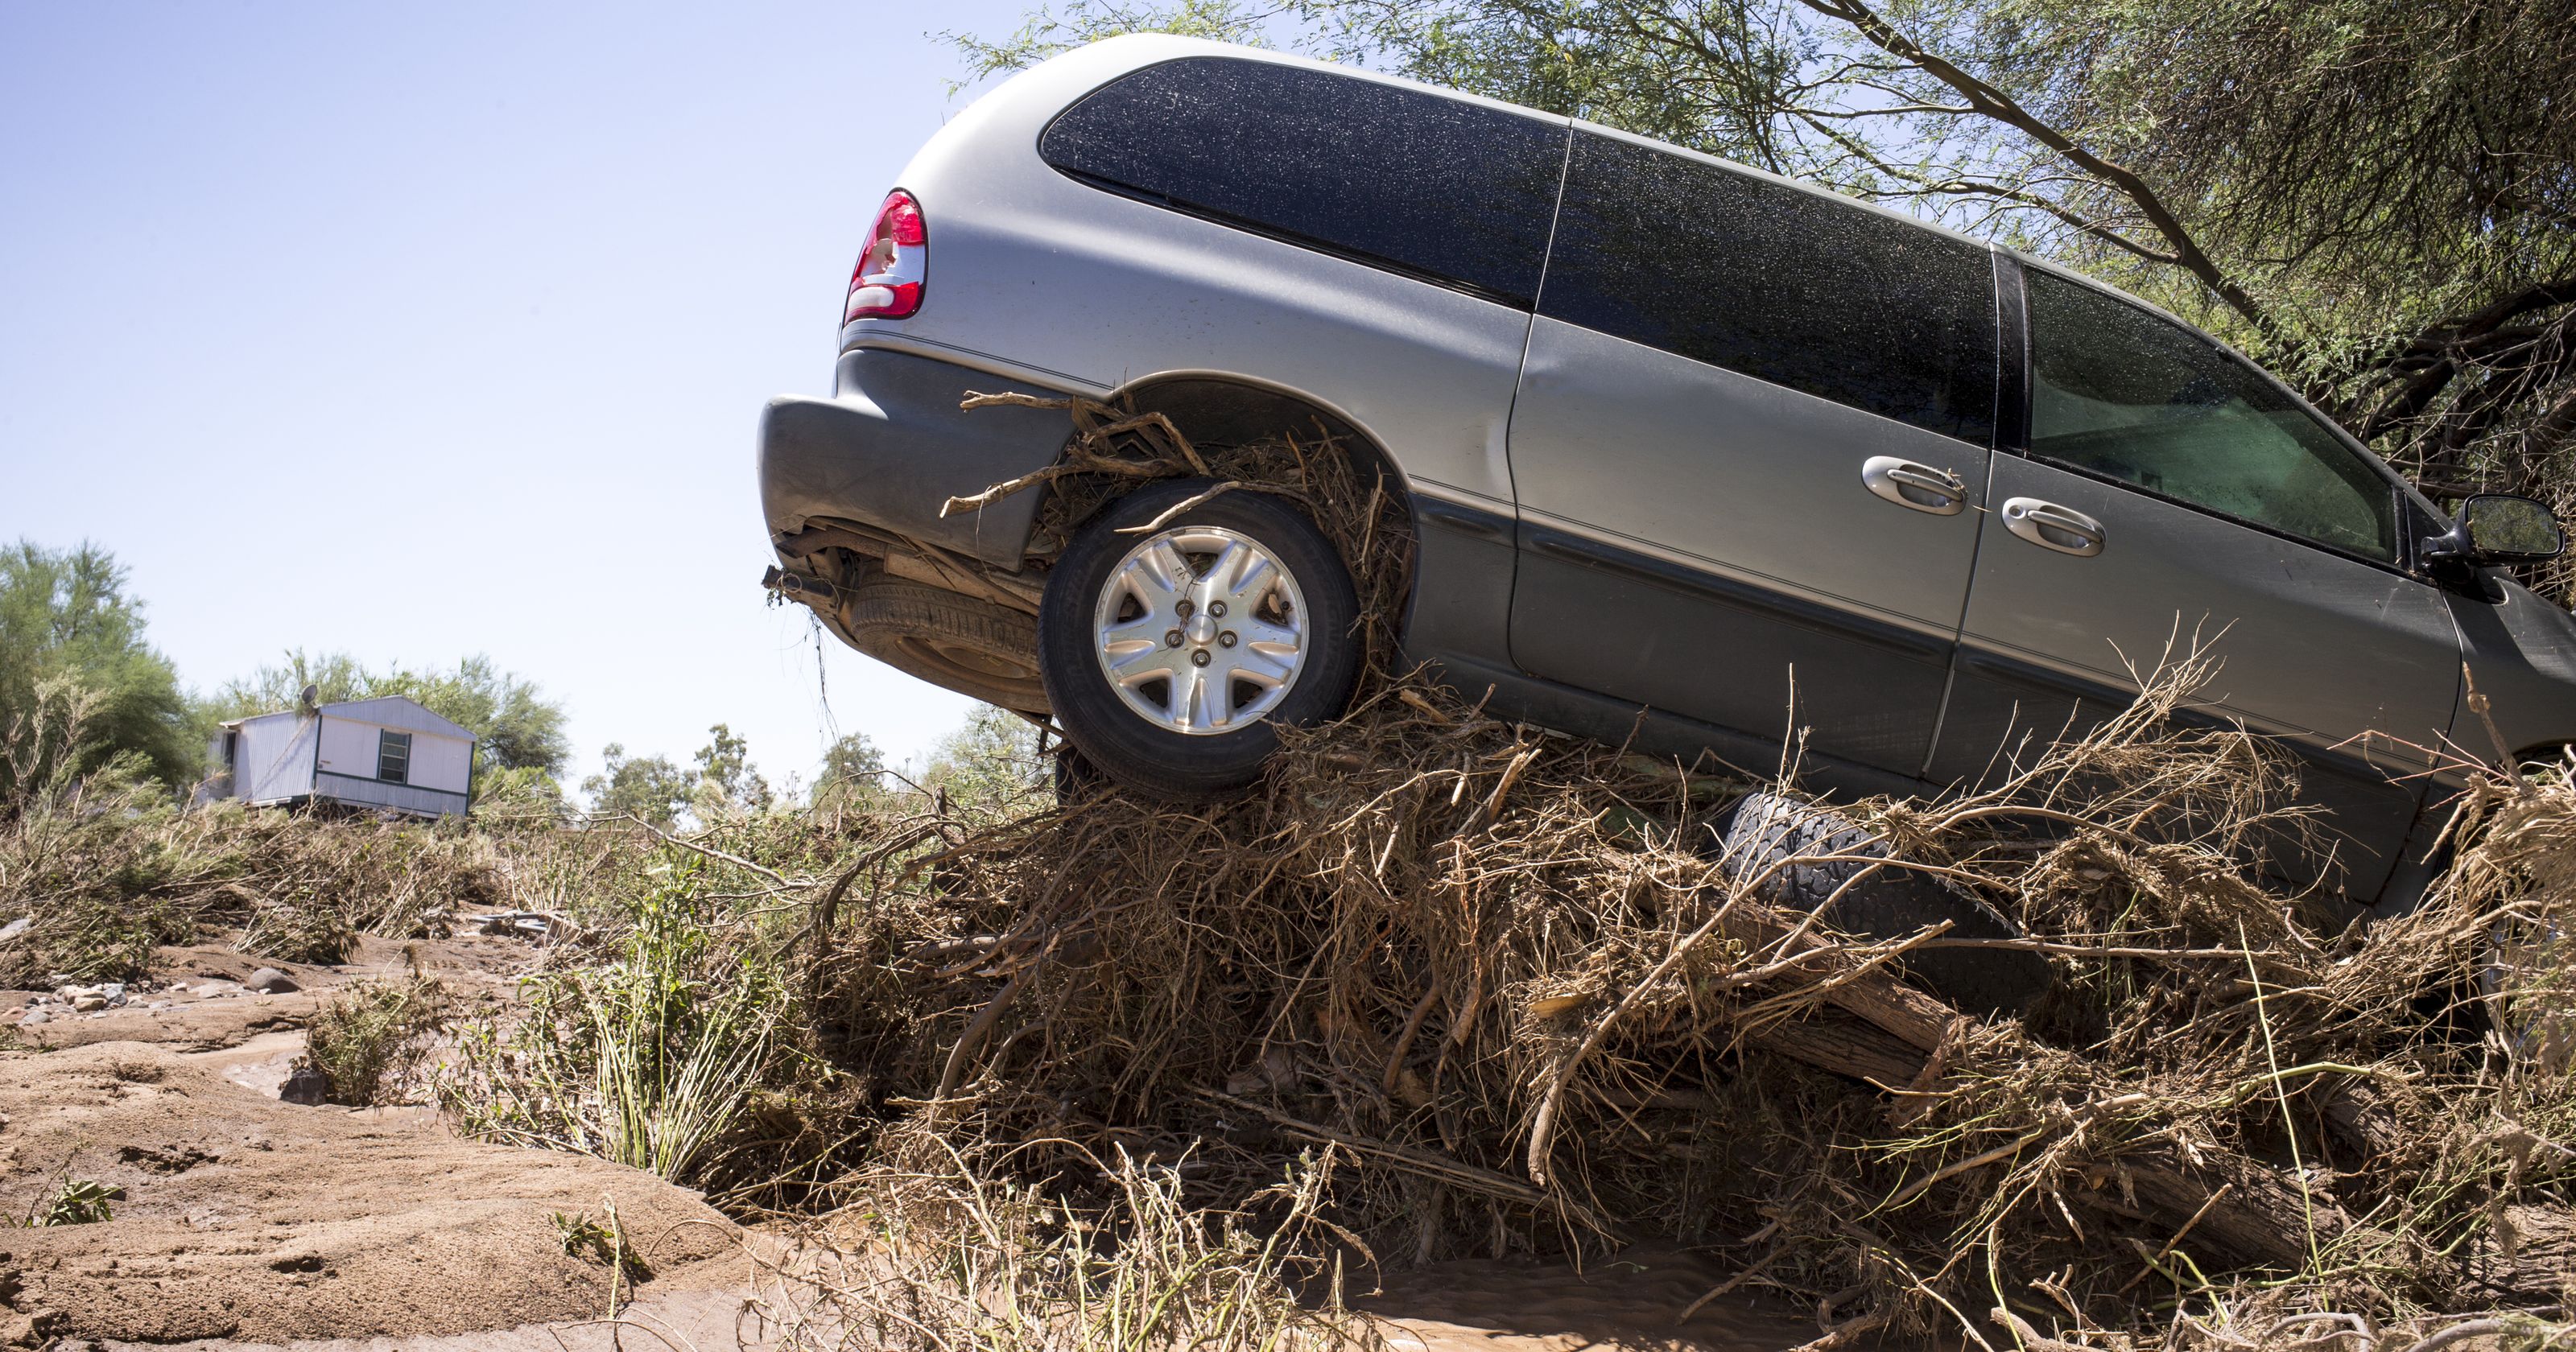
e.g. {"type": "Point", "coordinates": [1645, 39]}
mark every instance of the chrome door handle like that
{"type": "Point", "coordinates": [2050, 526]}
{"type": "Point", "coordinates": [1920, 487]}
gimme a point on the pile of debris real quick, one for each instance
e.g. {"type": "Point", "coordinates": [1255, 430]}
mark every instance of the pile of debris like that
{"type": "Point", "coordinates": [1531, 993]}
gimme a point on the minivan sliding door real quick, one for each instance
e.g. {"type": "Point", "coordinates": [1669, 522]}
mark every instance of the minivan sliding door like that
{"type": "Point", "coordinates": [1750, 441]}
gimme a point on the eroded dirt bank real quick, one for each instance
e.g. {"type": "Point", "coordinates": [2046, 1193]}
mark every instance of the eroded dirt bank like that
{"type": "Point", "coordinates": [247, 1222]}
{"type": "Point", "coordinates": [251, 1219]}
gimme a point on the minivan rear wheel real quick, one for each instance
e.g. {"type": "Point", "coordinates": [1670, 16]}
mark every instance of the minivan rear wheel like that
{"type": "Point", "coordinates": [1173, 643]}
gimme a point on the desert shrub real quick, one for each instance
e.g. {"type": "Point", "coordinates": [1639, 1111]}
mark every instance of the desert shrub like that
{"type": "Point", "coordinates": [297, 929]}
{"type": "Point", "coordinates": [942, 1256]}
{"type": "Point", "coordinates": [92, 857]}
{"type": "Point", "coordinates": [647, 1059]}
{"type": "Point", "coordinates": [370, 1040]}
{"type": "Point", "coordinates": [74, 1201]}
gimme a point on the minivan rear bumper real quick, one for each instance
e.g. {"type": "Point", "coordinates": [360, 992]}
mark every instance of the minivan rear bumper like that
{"type": "Point", "coordinates": [893, 447]}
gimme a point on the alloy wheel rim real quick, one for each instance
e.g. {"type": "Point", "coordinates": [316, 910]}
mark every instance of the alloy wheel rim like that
{"type": "Point", "coordinates": [1201, 630]}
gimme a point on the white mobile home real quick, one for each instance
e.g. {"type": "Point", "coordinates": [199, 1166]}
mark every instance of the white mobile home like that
{"type": "Point", "coordinates": [387, 753]}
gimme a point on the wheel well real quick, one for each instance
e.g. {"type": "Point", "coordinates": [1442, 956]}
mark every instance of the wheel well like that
{"type": "Point", "coordinates": [2544, 754]}
{"type": "Point", "coordinates": [1221, 412]}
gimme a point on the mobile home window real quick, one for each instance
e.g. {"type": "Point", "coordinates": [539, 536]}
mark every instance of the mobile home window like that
{"type": "Point", "coordinates": [393, 757]}
{"type": "Point", "coordinates": [1446, 190]}
{"type": "Point", "coordinates": [1777, 283]}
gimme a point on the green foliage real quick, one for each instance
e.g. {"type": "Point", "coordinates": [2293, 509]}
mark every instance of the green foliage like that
{"type": "Point", "coordinates": [518, 795]}
{"type": "Point", "coordinates": [726, 781]}
{"type": "Point", "coordinates": [65, 617]}
{"type": "Point", "coordinates": [647, 1060]}
{"type": "Point", "coordinates": [602, 1243]}
{"type": "Point", "coordinates": [371, 1038]}
{"type": "Point", "coordinates": [991, 763]}
{"type": "Point", "coordinates": [722, 785]}
{"type": "Point", "coordinates": [854, 776]}
{"type": "Point", "coordinates": [75, 1201]}
{"type": "Point", "coordinates": [648, 788]}
{"type": "Point", "coordinates": [88, 856]}
{"type": "Point", "coordinates": [1046, 32]}
{"type": "Point", "coordinates": [517, 727]}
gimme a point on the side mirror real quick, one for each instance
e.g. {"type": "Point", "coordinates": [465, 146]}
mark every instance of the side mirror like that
{"type": "Point", "coordinates": [2497, 528]}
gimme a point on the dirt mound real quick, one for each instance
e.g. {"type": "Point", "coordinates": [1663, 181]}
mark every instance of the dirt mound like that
{"type": "Point", "coordinates": [244, 1217]}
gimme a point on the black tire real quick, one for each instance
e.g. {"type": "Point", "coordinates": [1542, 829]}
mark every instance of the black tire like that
{"type": "Point", "coordinates": [1143, 755]}
{"type": "Point", "coordinates": [1077, 780]}
{"type": "Point", "coordinates": [1888, 904]}
{"type": "Point", "coordinates": [961, 643]}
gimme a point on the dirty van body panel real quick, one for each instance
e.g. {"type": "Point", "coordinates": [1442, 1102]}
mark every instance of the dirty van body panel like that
{"type": "Point", "coordinates": [2521, 652]}
{"type": "Point", "coordinates": [1701, 542]}
{"type": "Point", "coordinates": [891, 449]}
{"type": "Point", "coordinates": [2310, 646]}
{"type": "Point", "coordinates": [1720, 364]}
{"type": "Point", "coordinates": [1464, 559]}
{"type": "Point", "coordinates": [1705, 747]}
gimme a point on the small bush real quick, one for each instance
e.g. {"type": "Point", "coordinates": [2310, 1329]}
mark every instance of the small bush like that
{"type": "Point", "coordinates": [305, 929]}
{"type": "Point", "coordinates": [371, 1039]}
{"type": "Point", "coordinates": [944, 1257]}
{"type": "Point", "coordinates": [74, 1201]}
{"type": "Point", "coordinates": [647, 1061]}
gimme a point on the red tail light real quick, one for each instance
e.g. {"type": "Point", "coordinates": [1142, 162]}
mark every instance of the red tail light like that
{"type": "Point", "coordinates": [887, 282]}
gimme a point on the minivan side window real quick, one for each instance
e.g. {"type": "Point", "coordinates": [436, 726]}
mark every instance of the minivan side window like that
{"type": "Point", "coordinates": [1784, 285]}
{"type": "Point", "coordinates": [2134, 397]}
{"type": "Point", "coordinates": [1438, 188]}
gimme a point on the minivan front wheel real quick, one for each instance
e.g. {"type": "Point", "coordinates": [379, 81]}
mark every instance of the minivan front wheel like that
{"type": "Point", "coordinates": [1174, 642]}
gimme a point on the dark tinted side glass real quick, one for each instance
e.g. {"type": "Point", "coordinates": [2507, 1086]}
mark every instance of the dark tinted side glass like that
{"type": "Point", "coordinates": [1776, 283]}
{"type": "Point", "coordinates": [2134, 397]}
{"type": "Point", "coordinates": [1448, 191]}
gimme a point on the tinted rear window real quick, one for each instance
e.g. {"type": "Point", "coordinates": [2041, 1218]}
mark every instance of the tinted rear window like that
{"type": "Point", "coordinates": [1447, 191]}
{"type": "Point", "coordinates": [1776, 283]}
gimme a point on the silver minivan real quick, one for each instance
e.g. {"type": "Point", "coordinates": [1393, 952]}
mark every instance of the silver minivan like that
{"type": "Point", "coordinates": [1693, 453]}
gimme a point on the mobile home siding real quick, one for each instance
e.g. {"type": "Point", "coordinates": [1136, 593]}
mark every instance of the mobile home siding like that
{"type": "Point", "coordinates": [349, 750]}
{"type": "Point", "coordinates": [376, 793]}
{"type": "Point", "coordinates": [275, 762]}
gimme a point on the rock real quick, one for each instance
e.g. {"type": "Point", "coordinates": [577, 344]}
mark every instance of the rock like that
{"type": "Point", "coordinates": [86, 1001]}
{"type": "Point", "coordinates": [35, 1016]}
{"type": "Point", "coordinates": [212, 989]}
{"type": "Point", "coordinates": [305, 1084]}
{"type": "Point", "coordinates": [158, 1004]}
{"type": "Point", "coordinates": [16, 927]}
{"type": "Point", "coordinates": [270, 981]}
{"type": "Point", "coordinates": [114, 991]}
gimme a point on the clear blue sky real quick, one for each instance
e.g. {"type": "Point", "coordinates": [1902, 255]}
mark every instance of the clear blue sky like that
{"type": "Point", "coordinates": [429, 330]}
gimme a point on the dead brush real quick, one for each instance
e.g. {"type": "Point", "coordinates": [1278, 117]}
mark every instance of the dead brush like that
{"type": "Point", "coordinates": [953, 1254]}
{"type": "Point", "coordinates": [1507, 977]}
{"type": "Point", "coordinates": [372, 1039]}
{"type": "Point", "coordinates": [93, 857]}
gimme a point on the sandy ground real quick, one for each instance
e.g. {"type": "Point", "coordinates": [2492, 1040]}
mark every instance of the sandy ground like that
{"type": "Point", "coordinates": [248, 1222]}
